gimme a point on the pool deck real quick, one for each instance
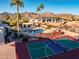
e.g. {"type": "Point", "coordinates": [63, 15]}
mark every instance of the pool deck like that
{"type": "Point", "coordinates": [7, 52]}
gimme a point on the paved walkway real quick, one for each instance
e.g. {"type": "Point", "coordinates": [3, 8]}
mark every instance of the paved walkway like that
{"type": "Point", "coordinates": [7, 52]}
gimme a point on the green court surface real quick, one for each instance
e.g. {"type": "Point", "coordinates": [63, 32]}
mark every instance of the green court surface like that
{"type": "Point", "coordinates": [42, 49]}
{"type": "Point", "coordinates": [70, 43]}
{"type": "Point", "coordinates": [39, 50]}
{"type": "Point", "coordinates": [35, 45]}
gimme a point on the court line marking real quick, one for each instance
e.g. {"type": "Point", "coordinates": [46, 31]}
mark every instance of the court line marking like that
{"type": "Point", "coordinates": [45, 50]}
{"type": "Point", "coordinates": [43, 47]}
{"type": "Point", "coordinates": [58, 43]}
{"type": "Point", "coordinates": [46, 53]}
{"type": "Point", "coordinates": [41, 56]}
{"type": "Point", "coordinates": [62, 45]}
{"type": "Point", "coordinates": [68, 46]}
{"type": "Point", "coordinates": [36, 49]}
{"type": "Point", "coordinates": [29, 51]}
{"type": "Point", "coordinates": [68, 38]}
{"type": "Point", "coordinates": [71, 47]}
{"type": "Point", "coordinates": [52, 50]}
{"type": "Point", "coordinates": [47, 46]}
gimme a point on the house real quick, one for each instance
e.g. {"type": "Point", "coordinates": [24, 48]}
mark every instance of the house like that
{"type": "Point", "coordinates": [46, 19]}
{"type": "Point", "coordinates": [27, 26]}
{"type": "Point", "coordinates": [2, 40]}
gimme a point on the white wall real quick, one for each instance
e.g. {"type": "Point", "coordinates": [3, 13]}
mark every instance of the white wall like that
{"type": "Point", "coordinates": [33, 20]}
{"type": "Point", "coordinates": [2, 41]}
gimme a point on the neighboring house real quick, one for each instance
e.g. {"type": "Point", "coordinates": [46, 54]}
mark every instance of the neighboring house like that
{"type": "Point", "coordinates": [0, 21]}
{"type": "Point", "coordinates": [46, 20]}
{"type": "Point", "coordinates": [33, 20]}
{"type": "Point", "coordinates": [27, 26]}
{"type": "Point", "coordinates": [2, 40]}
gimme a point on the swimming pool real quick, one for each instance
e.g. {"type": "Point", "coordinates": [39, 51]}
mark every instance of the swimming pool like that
{"type": "Point", "coordinates": [33, 32]}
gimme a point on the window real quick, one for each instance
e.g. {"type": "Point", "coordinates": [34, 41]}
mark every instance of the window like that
{"type": "Point", "coordinates": [43, 20]}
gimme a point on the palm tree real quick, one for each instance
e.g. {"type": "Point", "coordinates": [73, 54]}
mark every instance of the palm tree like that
{"type": "Point", "coordinates": [40, 8]}
{"type": "Point", "coordinates": [18, 4]}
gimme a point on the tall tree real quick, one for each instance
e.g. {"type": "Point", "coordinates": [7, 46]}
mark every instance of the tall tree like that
{"type": "Point", "coordinates": [18, 4]}
{"type": "Point", "coordinates": [40, 8]}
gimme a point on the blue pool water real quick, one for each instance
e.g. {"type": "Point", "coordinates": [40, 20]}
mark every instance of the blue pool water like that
{"type": "Point", "coordinates": [34, 32]}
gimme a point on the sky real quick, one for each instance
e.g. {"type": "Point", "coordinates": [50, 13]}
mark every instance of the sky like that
{"type": "Point", "coordinates": [54, 6]}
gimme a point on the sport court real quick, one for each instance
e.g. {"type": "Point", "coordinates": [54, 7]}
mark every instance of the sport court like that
{"type": "Point", "coordinates": [46, 48]}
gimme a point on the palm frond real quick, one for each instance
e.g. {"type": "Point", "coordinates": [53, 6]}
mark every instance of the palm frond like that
{"type": "Point", "coordinates": [12, 4]}
{"type": "Point", "coordinates": [38, 9]}
{"type": "Point", "coordinates": [41, 6]}
{"type": "Point", "coordinates": [13, 1]}
{"type": "Point", "coordinates": [21, 4]}
{"type": "Point", "coordinates": [17, 2]}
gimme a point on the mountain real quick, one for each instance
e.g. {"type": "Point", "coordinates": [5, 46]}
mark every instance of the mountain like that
{"type": "Point", "coordinates": [31, 15]}
{"type": "Point", "coordinates": [66, 17]}
{"type": "Point", "coordinates": [47, 15]}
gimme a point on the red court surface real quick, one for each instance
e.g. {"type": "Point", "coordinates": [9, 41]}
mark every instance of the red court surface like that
{"type": "Point", "coordinates": [47, 49]}
{"type": "Point", "coordinates": [44, 48]}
